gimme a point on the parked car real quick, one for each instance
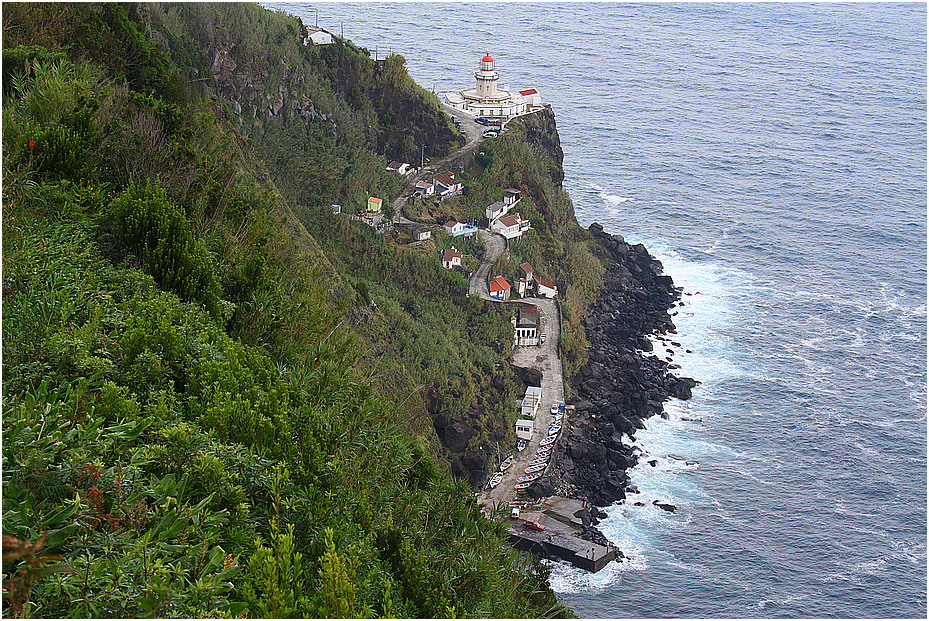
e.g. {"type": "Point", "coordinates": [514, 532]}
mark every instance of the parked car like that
{"type": "Point", "coordinates": [542, 337]}
{"type": "Point", "coordinates": [490, 133]}
{"type": "Point", "coordinates": [514, 512]}
{"type": "Point", "coordinates": [554, 408]}
{"type": "Point", "coordinates": [533, 525]}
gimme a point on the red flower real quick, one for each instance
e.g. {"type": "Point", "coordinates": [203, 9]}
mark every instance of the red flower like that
{"type": "Point", "coordinates": [31, 143]}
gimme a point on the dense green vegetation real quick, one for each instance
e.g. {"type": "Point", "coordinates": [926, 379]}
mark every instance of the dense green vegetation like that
{"type": "Point", "coordinates": [208, 412]}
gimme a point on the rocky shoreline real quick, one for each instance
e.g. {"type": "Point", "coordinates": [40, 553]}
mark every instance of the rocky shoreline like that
{"type": "Point", "coordinates": [623, 382]}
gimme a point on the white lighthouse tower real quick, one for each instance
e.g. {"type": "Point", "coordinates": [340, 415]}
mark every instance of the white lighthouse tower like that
{"type": "Point", "coordinates": [486, 78]}
{"type": "Point", "coordinates": [486, 100]}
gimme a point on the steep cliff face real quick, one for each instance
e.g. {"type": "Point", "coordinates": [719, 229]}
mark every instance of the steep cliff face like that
{"type": "Point", "coordinates": [258, 64]}
{"type": "Point", "coordinates": [542, 132]}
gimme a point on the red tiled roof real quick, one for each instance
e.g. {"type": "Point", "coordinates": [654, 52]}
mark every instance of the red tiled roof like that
{"type": "Point", "coordinates": [511, 220]}
{"type": "Point", "coordinates": [529, 91]}
{"type": "Point", "coordinates": [525, 267]}
{"type": "Point", "coordinates": [499, 284]}
{"type": "Point", "coordinates": [375, 200]}
{"type": "Point", "coordinates": [545, 282]}
{"type": "Point", "coordinates": [446, 178]}
{"type": "Point", "coordinates": [450, 254]}
{"type": "Point", "coordinates": [451, 223]}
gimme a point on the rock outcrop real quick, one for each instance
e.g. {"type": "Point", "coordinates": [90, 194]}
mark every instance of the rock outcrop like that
{"type": "Point", "coordinates": [623, 382]}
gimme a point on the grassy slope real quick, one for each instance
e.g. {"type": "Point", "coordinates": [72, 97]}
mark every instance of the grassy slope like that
{"type": "Point", "coordinates": [184, 461]}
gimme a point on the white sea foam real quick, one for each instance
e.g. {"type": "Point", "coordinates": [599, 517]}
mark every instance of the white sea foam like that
{"type": "Point", "coordinates": [640, 530]}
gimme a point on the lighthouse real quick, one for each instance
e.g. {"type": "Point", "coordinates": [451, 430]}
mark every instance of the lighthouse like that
{"type": "Point", "coordinates": [486, 77]}
{"type": "Point", "coordinates": [487, 101]}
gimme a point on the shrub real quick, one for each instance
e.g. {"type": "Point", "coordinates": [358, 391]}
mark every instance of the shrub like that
{"type": "Point", "coordinates": [158, 234]}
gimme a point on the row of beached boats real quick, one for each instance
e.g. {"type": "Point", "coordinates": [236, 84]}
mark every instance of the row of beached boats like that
{"type": "Point", "coordinates": [537, 464]}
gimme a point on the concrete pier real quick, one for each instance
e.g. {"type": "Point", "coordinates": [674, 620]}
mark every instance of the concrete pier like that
{"type": "Point", "coordinates": [558, 540]}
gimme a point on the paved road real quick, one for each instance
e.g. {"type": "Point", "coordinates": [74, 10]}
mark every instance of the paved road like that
{"type": "Point", "coordinates": [494, 246]}
{"type": "Point", "coordinates": [473, 134]}
{"type": "Point", "coordinates": [543, 357]}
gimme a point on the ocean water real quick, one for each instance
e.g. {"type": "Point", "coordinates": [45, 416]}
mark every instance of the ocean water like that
{"type": "Point", "coordinates": [773, 156]}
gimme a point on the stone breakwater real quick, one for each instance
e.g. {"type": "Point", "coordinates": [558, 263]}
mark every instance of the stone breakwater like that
{"type": "Point", "coordinates": [623, 383]}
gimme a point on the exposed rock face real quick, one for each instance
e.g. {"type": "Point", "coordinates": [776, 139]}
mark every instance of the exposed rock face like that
{"type": "Point", "coordinates": [622, 384]}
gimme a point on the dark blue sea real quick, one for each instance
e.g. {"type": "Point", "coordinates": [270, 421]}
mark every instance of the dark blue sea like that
{"type": "Point", "coordinates": [773, 156]}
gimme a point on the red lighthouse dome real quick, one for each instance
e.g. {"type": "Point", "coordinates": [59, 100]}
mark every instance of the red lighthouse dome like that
{"type": "Point", "coordinates": [487, 59]}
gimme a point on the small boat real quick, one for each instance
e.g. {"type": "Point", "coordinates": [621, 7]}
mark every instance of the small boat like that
{"type": "Point", "coordinates": [539, 460]}
{"type": "Point", "coordinates": [554, 429]}
{"type": "Point", "coordinates": [520, 445]}
{"type": "Point", "coordinates": [547, 441]}
{"type": "Point", "coordinates": [522, 485]}
{"type": "Point", "coordinates": [528, 477]}
{"type": "Point", "coordinates": [495, 480]}
{"type": "Point", "coordinates": [545, 451]}
{"type": "Point", "coordinates": [506, 463]}
{"type": "Point", "coordinates": [558, 416]}
{"type": "Point", "coordinates": [535, 468]}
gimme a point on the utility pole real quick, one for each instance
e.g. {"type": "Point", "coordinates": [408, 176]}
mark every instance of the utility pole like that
{"type": "Point", "coordinates": [317, 17]}
{"type": "Point", "coordinates": [342, 27]}
{"type": "Point", "coordinates": [423, 158]}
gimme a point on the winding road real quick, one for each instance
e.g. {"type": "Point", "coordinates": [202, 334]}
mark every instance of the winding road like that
{"type": "Point", "coordinates": [542, 357]}
{"type": "Point", "coordinates": [474, 135]}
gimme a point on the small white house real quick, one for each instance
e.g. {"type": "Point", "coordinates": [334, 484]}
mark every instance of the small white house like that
{"type": "Point", "coordinates": [335, 208]}
{"type": "Point", "coordinates": [510, 226]}
{"type": "Point", "coordinates": [523, 278]}
{"type": "Point", "coordinates": [318, 36]}
{"type": "Point", "coordinates": [446, 184]}
{"type": "Point", "coordinates": [511, 196]}
{"type": "Point", "coordinates": [547, 288]}
{"type": "Point", "coordinates": [422, 233]}
{"type": "Point", "coordinates": [456, 229]}
{"type": "Point", "coordinates": [424, 188]}
{"type": "Point", "coordinates": [531, 402]}
{"type": "Point", "coordinates": [399, 167]}
{"type": "Point", "coordinates": [500, 289]}
{"type": "Point", "coordinates": [451, 258]}
{"type": "Point", "coordinates": [524, 429]}
{"type": "Point", "coordinates": [526, 324]}
{"type": "Point", "coordinates": [532, 97]}
{"type": "Point", "coordinates": [495, 210]}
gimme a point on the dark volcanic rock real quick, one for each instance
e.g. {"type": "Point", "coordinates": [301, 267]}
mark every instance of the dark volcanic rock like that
{"type": "Point", "coordinates": [456, 436]}
{"type": "Point", "coordinates": [529, 377]}
{"type": "Point", "coordinates": [622, 384]}
{"type": "Point", "coordinates": [666, 506]}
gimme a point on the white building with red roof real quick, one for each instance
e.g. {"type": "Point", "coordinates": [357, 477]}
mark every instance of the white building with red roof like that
{"type": "Point", "coordinates": [532, 97]}
{"type": "Point", "coordinates": [500, 289]}
{"type": "Point", "coordinates": [446, 184]}
{"type": "Point", "coordinates": [451, 258]}
{"type": "Point", "coordinates": [487, 99]}
{"type": "Point", "coordinates": [510, 226]}
{"type": "Point", "coordinates": [523, 278]}
{"type": "Point", "coordinates": [547, 288]}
